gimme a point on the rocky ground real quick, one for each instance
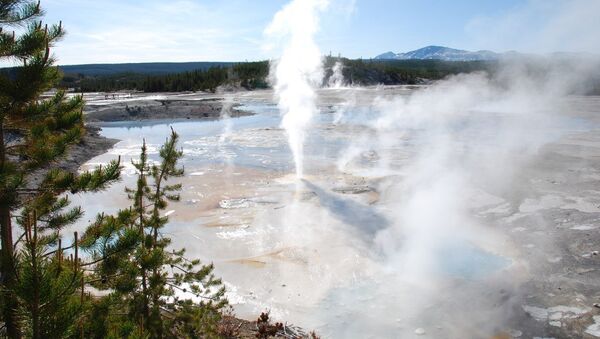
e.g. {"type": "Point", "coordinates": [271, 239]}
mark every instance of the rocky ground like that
{"type": "Point", "coordinates": [243, 329]}
{"type": "Point", "coordinates": [553, 220]}
{"type": "Point", "coordinates": [558, 230]}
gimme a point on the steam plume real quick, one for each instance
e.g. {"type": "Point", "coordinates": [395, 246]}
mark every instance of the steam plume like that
{"type": "Point", "coordinates": [298, 71]}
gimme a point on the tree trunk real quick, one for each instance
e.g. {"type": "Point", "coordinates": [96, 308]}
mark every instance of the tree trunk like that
{"type": "Point", "coordinates": [144, 275]}
{"type": "Point", "coordinates": [2, 145]}
{"type": "Point", "coordinates": [8, 274]}
{"type": "Point", "coordinates": [155, 271]}
{"type": "Point", "coordinates": [7, 264]}
{"type": "Point", "coordinates": [35, 310]}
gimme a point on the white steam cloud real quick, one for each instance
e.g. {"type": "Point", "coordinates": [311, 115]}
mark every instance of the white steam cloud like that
{"type": "Point", "coordinates": [299, 70]}
{"type": "Point", "coordinates": [337, 78]}
{"type": "Point", "coordinates": [448, 155]}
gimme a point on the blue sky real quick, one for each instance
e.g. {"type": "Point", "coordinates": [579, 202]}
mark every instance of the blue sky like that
{"type": "Point", "coordinates": [232, 30]}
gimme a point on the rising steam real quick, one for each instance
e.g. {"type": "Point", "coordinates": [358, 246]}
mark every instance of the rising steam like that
{"type": "Point", "coordinates": [337, 78]}
{"type": "Point", "coordinates": [299, 70]}
{"type": "Point", "coordinates": [448, 155]}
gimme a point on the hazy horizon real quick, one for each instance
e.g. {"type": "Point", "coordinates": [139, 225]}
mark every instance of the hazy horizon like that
{"type": "Point", "coordinates": [265, 59]}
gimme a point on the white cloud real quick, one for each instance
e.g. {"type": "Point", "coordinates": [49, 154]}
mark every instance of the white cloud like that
{"type": "Point", "coordinates": [151, 31]}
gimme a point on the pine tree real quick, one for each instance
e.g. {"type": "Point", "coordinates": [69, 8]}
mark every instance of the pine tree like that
{"type": "Point", "coordinates": [47, 287]}
{"type": "Point", "coordinates": [147, 279]}
{"type": "Point", "coordinates": [35, 132]}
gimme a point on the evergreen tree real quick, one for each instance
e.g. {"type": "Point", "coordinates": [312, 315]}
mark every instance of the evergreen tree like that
{"type": "Point", "coordinates": [151, 285]}
{"type": "Point", "coordinates": [34, 134]}
{"type": "Point", "coordinates": [47, 287]}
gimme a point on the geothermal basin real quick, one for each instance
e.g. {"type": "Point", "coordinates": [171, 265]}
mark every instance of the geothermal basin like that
{"type": "Point", "coordinates": [413, 217]}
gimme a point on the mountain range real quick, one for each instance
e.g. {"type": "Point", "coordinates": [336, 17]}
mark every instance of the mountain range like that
{"type": "Point", "coordinates": [440, 53]}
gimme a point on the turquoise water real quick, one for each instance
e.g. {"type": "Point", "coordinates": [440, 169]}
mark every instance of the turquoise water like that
{"type": "Point", "coordinates": [464, 260]}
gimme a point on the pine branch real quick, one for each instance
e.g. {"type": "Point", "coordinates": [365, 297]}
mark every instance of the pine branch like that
{"type": "Point", "coordinates": [9, 15]}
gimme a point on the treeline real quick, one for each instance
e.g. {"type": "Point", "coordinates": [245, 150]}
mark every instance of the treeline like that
{"type": "Point", "coordinates": [249, 75]}
{"type": "Point", "coordinates": [142, 67]}
{"type": "Point", "coordinates": [402, 72]}
{"type": "Point", "coordinates": [254, 75]}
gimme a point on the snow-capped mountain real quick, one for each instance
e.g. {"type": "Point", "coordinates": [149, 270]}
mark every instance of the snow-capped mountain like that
{"type": "Point", "coordinates": [440, 53]}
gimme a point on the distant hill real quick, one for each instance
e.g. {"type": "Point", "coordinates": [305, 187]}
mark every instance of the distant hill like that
{"type": "Point", "coordinates": [440, 53]}
{"type": "Point", "coordinates": [141, 68]}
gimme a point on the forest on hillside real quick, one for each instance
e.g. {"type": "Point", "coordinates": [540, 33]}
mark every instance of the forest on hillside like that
{"type": "Point", "coordinates": [254, 75]}
{"type": "Point", "coordinates": [249, 75]}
